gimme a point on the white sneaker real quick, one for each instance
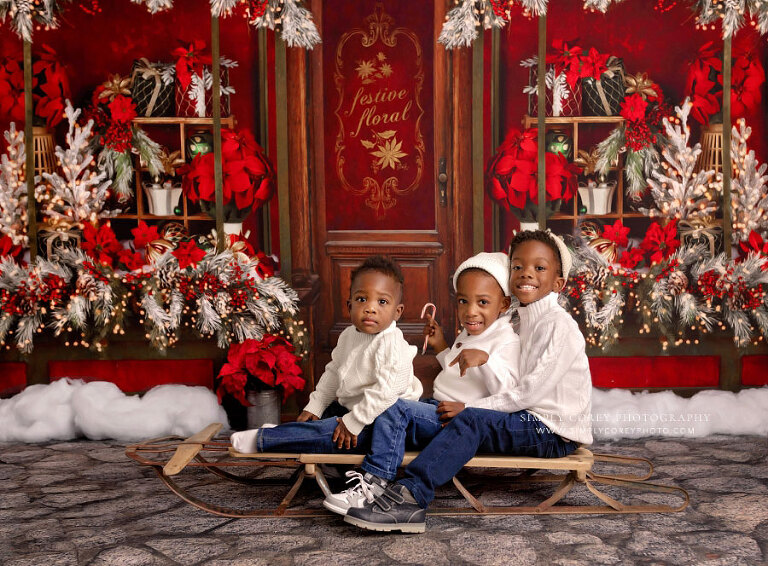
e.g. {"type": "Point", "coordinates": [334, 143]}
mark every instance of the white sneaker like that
{"type": "Point", "coordinates": [367, 489]}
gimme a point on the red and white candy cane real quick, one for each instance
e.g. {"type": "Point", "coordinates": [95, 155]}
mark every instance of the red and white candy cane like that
{"type": "Point", "coordinates": [423, 314]}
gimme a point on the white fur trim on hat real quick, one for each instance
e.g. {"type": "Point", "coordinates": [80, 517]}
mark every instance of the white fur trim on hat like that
{"type": "Point", "coordinates": [565, 255]}
{"type": "Point", "coordinates": [495, 264]}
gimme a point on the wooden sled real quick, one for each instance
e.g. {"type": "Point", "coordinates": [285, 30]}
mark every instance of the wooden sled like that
{"type": "Point", "coordinates": [576, 469]}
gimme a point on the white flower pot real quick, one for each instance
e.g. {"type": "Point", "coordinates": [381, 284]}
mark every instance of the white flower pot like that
{"type": "Point", "coordinates": [528, 226]}
{"type": "Point", "coordinates": [597, 198]}
{"type": "Point", "coordinates": [162, 200]}
{"type": "Point", "coordinates": [233, 228]}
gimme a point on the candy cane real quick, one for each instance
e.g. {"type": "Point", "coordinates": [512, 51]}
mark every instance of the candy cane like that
{"type": "Point", "coordinates": [423, 313]}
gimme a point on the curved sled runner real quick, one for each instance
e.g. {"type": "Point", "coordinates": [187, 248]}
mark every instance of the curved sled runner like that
{"type": "Point", "coordinates": [574, 470]}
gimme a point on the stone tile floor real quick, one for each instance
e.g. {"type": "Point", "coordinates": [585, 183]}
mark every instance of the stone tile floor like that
{"type": "Point", "coordinates": [86, 503]}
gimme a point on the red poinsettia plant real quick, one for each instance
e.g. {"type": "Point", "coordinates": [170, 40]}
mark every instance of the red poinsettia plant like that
{"type": "Point", "coordinates": [50, 87]}
{"type": "Point", "coordinates": [512, 176]}
{"type": "Point", "coordinates": [268, 363]}
{"type": "Point", "coordinates": [754, 245]}
{"type": "Point", "coordinates": [704, 84]}
{"type": "Point", "coordinates": [247, 182]}
{"type": "Point", "coordinates": [191, 59]}
{"type": "Point", "coordinates": [112, 117]}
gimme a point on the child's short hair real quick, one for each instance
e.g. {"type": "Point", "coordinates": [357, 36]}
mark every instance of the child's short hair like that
{"type": "Point", "coordinates": [381, 264]}
{"type": "Point", "coordinates": [554, 241]}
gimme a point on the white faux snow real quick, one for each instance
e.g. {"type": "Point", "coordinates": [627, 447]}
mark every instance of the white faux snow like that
{"type": "Point", "coordinates": [71, 408]}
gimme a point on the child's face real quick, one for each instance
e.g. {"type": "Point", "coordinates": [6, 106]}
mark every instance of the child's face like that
{"type": "Point", "coordinates": [480, 301]}
{"type": "Point", "coordinates": [374, 302]}
{"type": "Point", "coordinates": [534, 272]}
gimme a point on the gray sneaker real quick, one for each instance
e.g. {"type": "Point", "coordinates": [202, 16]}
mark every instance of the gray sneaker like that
{"type": "Point", "coordinates": [367, 489]}
{"type": "Point", "coordinates": [393, 510]}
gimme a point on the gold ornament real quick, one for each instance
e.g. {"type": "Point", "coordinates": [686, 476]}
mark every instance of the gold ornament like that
{"type": "Point", "coordinates": [115, 86]}
{"type": "Point", "coordinates": [606, 248]}
{"type": "Point", "coordinates": [157, 248]}
{"type": "Point", "coordinates": [588, 160]}
{"type": "Point", "coordinates": [590, 230]}
{"type": "Point", "coordinates": [174, 232]}
{"type": "Point", "coordinates": [640, 84]}
{"type": "Point", "coordinates": [170, 161]}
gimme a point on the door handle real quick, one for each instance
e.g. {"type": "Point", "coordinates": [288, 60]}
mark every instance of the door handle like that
{"type": "Point", "coordinates": [442, 181]}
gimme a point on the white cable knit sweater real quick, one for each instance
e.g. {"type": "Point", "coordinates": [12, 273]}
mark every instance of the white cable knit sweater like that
{"type": "Point", "coordinates": [502, 345]}
{"type": "Point", "coordinates": [555, 383]}
{"type": "Point", "coordinates": [367, 374]}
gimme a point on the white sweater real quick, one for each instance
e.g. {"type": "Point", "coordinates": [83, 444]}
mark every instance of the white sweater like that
{"type": "Point", "coordinates": [555, 383]}
{"type": "Point", "coordinates": [502, 345]}
{"type": "Point", "coordinates": [367, 374]}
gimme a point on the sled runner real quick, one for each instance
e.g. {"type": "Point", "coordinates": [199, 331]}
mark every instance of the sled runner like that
{"type": "Point", "coordinates": [170, 456]}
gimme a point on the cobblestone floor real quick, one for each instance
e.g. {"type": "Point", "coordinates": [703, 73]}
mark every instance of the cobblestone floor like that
{"type": "Point", "coordinates": [85, 503]}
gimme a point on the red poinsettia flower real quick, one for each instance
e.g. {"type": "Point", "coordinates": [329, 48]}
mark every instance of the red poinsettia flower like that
{"type": "Point", "coordinates": [248, 176]}
{"type": "Point", "coordinates": [269, 362]}
{"type": "Point", "coordinates": [753, 244]}
{"type": "Point", "coordinates": [131, 260]}
{"type": "Point", "coordinates": [562, 178]}
{"type": "Point", "coordinates": [566, 59]}
{"type": "Point", "coordinates": [660, 242]}
{"type": "Point", "coordinates": [143, 234]}
{"type": "Point", "coordinates": [594, 64]}
{"type": "Point", "coordinates": [102, 244]}
{"type": "Point", "coordinates": [7, 247]}
{"type": "Point", "coordinates": [631, 257]}
{"type": "Point", "coordinates": [188, 253]}
{"type": "Point", "coordinates": [122, 109]}
{"type": "Point", "coordinates": [633, 107]}
{"type": "Point", "coordinates": [190, 60]}
{"type": "Point", "coordinates": [617, 233]}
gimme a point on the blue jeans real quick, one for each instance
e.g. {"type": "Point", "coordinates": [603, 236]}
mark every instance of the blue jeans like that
{"type": "Point", "coordinates": [383, 442]}
{"type": "Point", "coordinates": [479, 430]}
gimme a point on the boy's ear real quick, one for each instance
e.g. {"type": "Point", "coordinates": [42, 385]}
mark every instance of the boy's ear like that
{"type": "Point", "coordinates": [505, 304]}
{"type": "Point", "coordinates": [399, 311]}
{"type": "Point", "coordinates": [559, 284]}
{"type": "Point", "coordinates": [349, 307]}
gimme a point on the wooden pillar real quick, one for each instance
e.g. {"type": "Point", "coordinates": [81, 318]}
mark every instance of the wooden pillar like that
{"type": "Point", "coordinates": [541, 216]}
{"type": "Point", "coordinates": [283, 163]}
{"type": "Point", "coordinates": [495, 124]}
{"type": "Point", "coordinates": [478, 221]}
{"type": "Point", "coordinates": [726, 158]}
{"type": "Point", "coordinates": [217, 166]}
{"type": "Point", "coordinates": [29, 168]}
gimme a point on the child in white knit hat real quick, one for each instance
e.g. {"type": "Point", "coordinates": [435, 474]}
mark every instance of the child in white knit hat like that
{"type": "Point", "coordinates": [482, 362]}
{"type": "Point", "coordinates": [545, 413]}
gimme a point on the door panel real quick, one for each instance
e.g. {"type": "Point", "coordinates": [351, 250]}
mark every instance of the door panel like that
{"type": "Point", "coordinates": [381, 121]}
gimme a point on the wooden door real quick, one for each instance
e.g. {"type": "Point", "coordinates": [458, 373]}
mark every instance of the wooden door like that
{"type": "Point", "coordinates": [386, 106]}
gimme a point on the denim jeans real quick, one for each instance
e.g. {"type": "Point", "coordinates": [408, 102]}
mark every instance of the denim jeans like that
{"type": "Point", "coordinates": [479, 430]}
{"type": "Point", "coordinates": [406, 422]}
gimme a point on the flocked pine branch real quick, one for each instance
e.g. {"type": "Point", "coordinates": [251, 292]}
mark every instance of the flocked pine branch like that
{"type": "Point", "coordinates": [462, 22]}
{"type": "Point", "coordinates": [80, 194]}
{"type": "Point", "coordinates": [23, 14]}
{"type": "Point", "coordinates": [749, 189]}
{"type": "Point", "coordinates": [13, 189]}
{"type": "Point", "coordinates": [678, 190]}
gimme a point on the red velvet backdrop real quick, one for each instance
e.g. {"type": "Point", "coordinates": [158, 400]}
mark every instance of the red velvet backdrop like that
{"type": "Point", "coordinates": [660, 44]}
{"type": "Point", "coordinates": [96, 46]}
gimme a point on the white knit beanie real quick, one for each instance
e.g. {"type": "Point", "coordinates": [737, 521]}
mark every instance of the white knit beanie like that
{"type": "Point", "coordinates": [496, 264]}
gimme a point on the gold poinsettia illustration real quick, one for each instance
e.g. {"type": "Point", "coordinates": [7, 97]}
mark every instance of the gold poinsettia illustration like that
{"type": "Point", "coordinates": [386, 70]}
{"type": "Point", "coordinates": [389, 153]}
{"type": "Point", "coordinates": [365, 69]}
{"type": "Point", "coordinates": [381, 57]}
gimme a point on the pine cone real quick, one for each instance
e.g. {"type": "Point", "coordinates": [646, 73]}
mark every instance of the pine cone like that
{"type": "Point", "coordinates": [677, 283]}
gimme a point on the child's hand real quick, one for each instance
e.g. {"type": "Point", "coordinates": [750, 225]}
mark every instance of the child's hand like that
{"type": "Point", "coordinates": [306, 416]}
{"type": "Point", "coordinates": [448, 410]}
{"type": "Point", "coordinates": [434, 334]}
{"type": "Point", "coordinates": [469, 358]}
{"type": "Point", "coordinates": [342, 437]}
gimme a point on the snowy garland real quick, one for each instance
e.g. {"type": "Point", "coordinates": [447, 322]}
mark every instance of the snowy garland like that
{"type": "Point", "coordinates": [85, 302]}
{"type": "Point", "coordinates": [24, 14]}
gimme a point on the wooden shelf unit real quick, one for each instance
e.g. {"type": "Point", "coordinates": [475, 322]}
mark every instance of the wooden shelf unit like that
{"type": "Point", "coordinates": [183, 124]}
{"type": "Point", "coordinates": [573, 125]}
